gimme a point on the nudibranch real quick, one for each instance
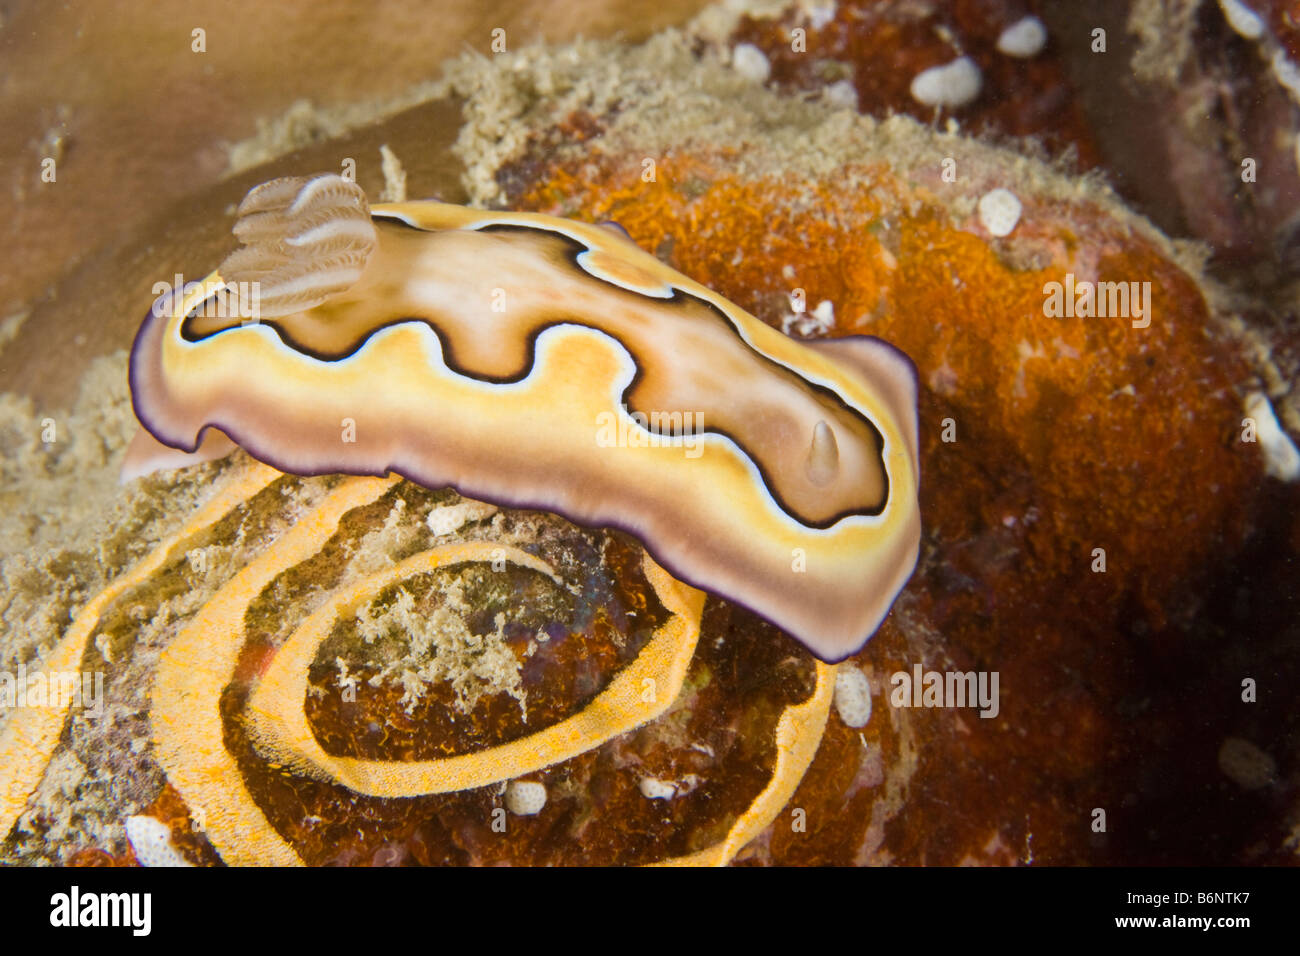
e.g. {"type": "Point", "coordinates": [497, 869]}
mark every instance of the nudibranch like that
{"type": "Point", "coordinates": [542, 363]}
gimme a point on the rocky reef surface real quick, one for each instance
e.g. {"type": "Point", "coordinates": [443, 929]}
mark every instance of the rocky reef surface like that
{"type": "Point", "coordinates": [1099, 292]}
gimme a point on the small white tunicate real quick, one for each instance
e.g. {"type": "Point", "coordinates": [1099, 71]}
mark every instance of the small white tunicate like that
{"type": "Point", "coordinates": [751, 62]}
{"type": "Point", "coordinates": [653, 789]}
{"type": "Point", "coordinates": [151, 840]}
{"type": "Point", "coordinates": [524, 798]}
{"type": "Point", "coordinates": [842, 93]}
{"type": "Point", "coordinates": [999, 211]}
{"type": "Point", "coordinates": [1281, 457]}
{"type": "Point", "coordinates": [1024, 38]}
{"type": "Point", "coordinates": [852, 696]}
{"type": "Point", "coordinates": [1242, 19]}
{"type": "Point", "coordinates": [953, 84]}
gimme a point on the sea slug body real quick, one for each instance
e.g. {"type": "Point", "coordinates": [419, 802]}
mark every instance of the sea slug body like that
{"type": "Point", "coordinates": [530, 361]}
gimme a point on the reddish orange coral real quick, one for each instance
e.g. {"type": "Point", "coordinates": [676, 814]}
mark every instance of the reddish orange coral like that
{"type": "Point", "coordinates": [1043, 438]}
{"type": "Point", "coordinates": [881, 45]}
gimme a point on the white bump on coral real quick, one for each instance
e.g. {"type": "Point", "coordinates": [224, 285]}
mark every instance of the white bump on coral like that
{"type": "Point", "coordinates": [394, 176]}
{"type": "Point", "coordinates": [751, 62]}
{"type": "Point", "coordinates": [819, 14]}
{"type": "Point", "coordinates": [524, 798]}
{"type": "Point", "coordinates": [1024, 38]}
{"type": "Point", "coordinates": [1286, 73]}
{"type": "Point", "coordinates": [842, 93]}
{"type": "Point", "coordinates": [852, 696]}
{"type": "Point", "coordinates": [448, 519]}
{"type": "Point", "coordinates": [1281, 458]}
{"type": "Point", "coordinates": [1245, 764]}
{"type": "Point", "coordinates": [151, 839]}
{"type": "Point", "coordinates": [1242, 19]}
{"type": "Point", "coordinates": [999, 211]}
{"type": "Point", "coordinates": [953, 84]}
{"type": "Point", "coordinates": [810, 325]}
{"type": "Point", "coordinates": [653, 789]}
